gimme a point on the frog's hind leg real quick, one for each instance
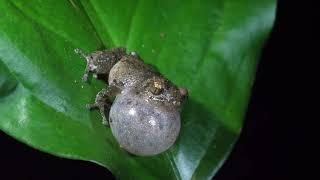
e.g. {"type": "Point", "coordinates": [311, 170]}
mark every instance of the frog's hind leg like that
{"type": "Point", "coordinates": [87, 69]}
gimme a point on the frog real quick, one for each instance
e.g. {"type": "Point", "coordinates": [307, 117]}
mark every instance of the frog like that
{"type": "Point", "coordinates": [139, 104]}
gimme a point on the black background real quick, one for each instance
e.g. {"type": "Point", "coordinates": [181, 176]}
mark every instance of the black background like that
{"type": "Point", "coordinates": [267, 147]}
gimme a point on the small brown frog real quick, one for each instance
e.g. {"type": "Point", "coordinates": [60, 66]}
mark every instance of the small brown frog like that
{"type": "Point", "coordinates": [145, 114]}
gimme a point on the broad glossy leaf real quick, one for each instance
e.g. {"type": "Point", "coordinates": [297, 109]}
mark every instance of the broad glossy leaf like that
{"type": "Point", "coordinates": [209, 46]}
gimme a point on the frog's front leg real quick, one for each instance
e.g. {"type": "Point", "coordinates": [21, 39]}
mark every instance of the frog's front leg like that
{"type": "Point", "coordinates": [103, 103]}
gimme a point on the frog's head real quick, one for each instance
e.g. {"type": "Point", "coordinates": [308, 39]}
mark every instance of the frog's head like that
{"type": "Point", "coordinates": [161, 89]}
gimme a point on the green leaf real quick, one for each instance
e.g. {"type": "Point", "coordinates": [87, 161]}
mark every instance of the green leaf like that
{"type": "Point", "coordinates": [209, 46]}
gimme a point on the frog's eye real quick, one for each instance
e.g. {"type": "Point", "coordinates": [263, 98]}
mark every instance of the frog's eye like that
{"type": "Point", "coordinates": [157, 88]}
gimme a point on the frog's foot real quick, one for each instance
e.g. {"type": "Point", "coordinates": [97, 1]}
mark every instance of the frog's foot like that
{"type": "Point", "coordinates": [87, 69]}
{"type": "Point", "coordinates": [103, 103]}
{"type": "Point", "coordinates": [134, 54]}
{"type": "Point", "coordinates": [103, 107]}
